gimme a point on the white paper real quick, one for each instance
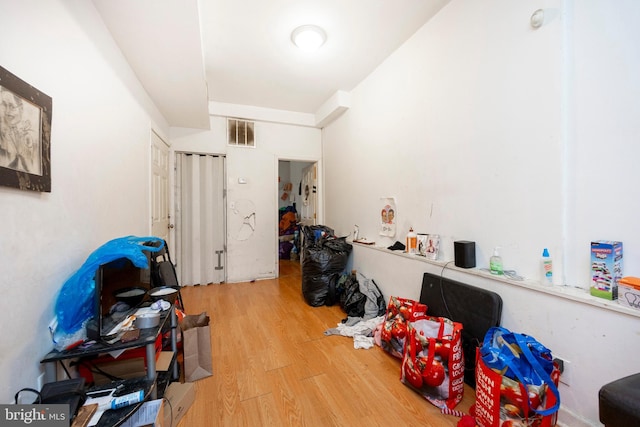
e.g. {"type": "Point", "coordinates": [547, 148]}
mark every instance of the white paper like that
{"type": "Point", "coordinates": [387, 217]}
{"type": "Point", "coordinates": [146, 415]}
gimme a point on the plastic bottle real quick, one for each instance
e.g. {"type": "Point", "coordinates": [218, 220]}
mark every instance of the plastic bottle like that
{"type": "Point", "coordinates": [412, 242]}
{"type": "Point", "coordinates": [495, 263]}
{"type": "Point", "coordinates": [355, 232]}
{"type": "Point", "coordinates": [547, 268]}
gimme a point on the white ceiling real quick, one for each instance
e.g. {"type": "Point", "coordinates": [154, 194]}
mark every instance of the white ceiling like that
{"type": "Point", "coordinates": [188, 53]}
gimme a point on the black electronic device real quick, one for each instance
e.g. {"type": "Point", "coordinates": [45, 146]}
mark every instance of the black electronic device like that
{"type": "Point", "coordinates": [70, 392]}
{"type": "Point", "coordinates": [464, 252]}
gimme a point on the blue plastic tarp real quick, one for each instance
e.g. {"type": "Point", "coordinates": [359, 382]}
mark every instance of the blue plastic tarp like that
{"type": "Point", "coordinates": [76, 301]}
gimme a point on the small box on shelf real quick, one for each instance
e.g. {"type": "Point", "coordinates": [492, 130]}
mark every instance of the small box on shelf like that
{"type": "Point", "coordinates": [606, 268]}
{"type": "Point", "coordinates": [629, 292]}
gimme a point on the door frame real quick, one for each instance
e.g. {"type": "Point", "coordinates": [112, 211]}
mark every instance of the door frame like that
{"type": "Point", "coordinates": [319, 196]}
{"type": "Point", "coordinates": [170, 163]}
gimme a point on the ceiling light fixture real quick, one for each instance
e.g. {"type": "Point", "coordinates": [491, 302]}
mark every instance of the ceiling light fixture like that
{"type": "Point", "coordinates": [308, 37]}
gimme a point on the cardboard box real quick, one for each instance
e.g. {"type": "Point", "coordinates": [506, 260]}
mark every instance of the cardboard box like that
{"type": "Point", "coordinates": [180, 396]}
{"type": "Point", "coordinates": [629, 292]}
{"type": "Point", "coordinates": [129, 368]}
{"type": "Point", "coordinates": [606, 268]}
{"type": "Point", "coordinates": [150, 414]}
{"type": "Point", "coordinates": [125, 369]}
{"type": "Point", "coordinates": [163, 361]}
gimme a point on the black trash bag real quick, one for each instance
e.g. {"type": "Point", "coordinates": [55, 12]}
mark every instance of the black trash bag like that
{"type": "Point", "coordinates": [358, 304]}
{"type": "Point", "coordinates": [313, 234]}
{"type": "Point", "coordinates": [381, 302]}
{"type": "Point", "coordinates": [323, 261]}
{"type": "Point", "coordinates": [352, 300]}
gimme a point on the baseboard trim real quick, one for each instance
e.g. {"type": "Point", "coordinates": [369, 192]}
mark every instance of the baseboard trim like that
{"type": "Point", "coordinates": [569, 419]}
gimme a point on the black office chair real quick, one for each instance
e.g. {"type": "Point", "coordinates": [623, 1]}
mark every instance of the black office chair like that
{"type": "Point", "coordinates": [163, 272]}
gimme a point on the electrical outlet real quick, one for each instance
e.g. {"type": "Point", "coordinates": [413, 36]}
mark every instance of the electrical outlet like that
{"type": "Point", "coordinates": [53, 325]}
{"type": "Point", "coordinates": [40, 381]}
{"type": "Point", "coordinates": [567, 373]}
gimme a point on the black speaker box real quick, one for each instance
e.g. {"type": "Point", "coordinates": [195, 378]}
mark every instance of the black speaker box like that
{"type": "Point", "coordinates": [464, 253]}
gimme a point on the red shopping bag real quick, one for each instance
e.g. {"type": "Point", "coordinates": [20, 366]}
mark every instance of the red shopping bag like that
{"type": "Point", "coordinates": [393, 330]}
{"type": "Point", "coordinates": [517, 389]}
{"type": "Point", "coordinates": [433, 363]}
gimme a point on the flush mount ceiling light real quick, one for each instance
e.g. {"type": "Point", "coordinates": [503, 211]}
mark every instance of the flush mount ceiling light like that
{"type": "Point", "coordinates": [308, 37]}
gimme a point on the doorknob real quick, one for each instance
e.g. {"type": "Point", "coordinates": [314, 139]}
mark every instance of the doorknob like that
{"type": "Point", "coordinates": [170, 226]}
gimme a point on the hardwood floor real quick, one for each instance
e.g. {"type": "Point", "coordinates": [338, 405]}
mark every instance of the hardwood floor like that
{"type": "Point", "coordinates": [273, 365]}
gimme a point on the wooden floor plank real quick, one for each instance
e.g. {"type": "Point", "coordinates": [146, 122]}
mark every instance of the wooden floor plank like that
{"type": "Point", "coordinates": [274, 366]}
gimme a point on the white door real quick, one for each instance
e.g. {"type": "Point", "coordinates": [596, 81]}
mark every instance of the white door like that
{"type": "Point", "coordinates": [308, 205]}
{"type": "Point", "coordinates": [200, 219]}
{"type": "Point", "coordinates": [160, 217]}
{"type": "Point", "coordinates": [252, 212]}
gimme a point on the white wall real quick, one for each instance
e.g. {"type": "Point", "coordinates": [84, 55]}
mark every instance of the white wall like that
{"type": "Point", "coordinates": [485, 129]}
{"type": "Point", "coordinates": [254, 257]}
{"type": "Point", "coordinates": [100, 141]}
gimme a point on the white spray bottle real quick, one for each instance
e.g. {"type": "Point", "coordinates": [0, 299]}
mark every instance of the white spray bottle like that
{"type": "Point", "coordinates": [547, 268]}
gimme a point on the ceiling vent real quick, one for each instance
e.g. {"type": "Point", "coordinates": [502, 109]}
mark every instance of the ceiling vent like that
{"type": "Point", "coordinates": [240, 133]}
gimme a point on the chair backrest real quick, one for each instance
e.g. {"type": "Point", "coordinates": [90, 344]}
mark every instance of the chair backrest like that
{"type": "Point", "coordinates": [163, 272]}
{"type": "Point", "coordinates": [167, 274]}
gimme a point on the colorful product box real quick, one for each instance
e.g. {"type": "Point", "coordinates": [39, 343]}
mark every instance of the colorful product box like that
{"type": "Point", "coordinates": [606, 268]}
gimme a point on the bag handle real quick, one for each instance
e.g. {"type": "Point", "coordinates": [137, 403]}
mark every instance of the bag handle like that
{"type": "Point", "coordinates": [31, 390]}
{"type": "Point", "coordinates": [520, 340]}
{"type": "Point", "coordinates": [542, 373]}
{"type": "Point", "coordinates": [506, 354]}
{"type": "Point", "coordinates": [411, 340]}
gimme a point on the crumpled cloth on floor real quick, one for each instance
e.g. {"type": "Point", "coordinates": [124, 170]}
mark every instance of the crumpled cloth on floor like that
{"type": "Point", "coordinates": [362, 332]}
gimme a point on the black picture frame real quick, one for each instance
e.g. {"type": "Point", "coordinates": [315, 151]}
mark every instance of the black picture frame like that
{"type": "Point", "coordinates": [25, 135]}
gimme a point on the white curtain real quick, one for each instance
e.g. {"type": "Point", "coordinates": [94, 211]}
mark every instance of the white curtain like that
{"type": "Point", "coordinates": [200, 219]}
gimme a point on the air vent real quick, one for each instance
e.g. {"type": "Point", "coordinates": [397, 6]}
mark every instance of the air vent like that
{"type": "Point", "coordinates": [240, 133]}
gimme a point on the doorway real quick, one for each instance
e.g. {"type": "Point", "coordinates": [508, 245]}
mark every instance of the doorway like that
{"type": "Point", "coordinates": [200, 218]}
{"type": "Point", "coordinates": [297, 192]}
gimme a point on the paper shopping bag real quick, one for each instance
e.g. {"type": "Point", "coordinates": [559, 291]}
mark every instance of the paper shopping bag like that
{"type": "Point", "coordinates": [196, 335]}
